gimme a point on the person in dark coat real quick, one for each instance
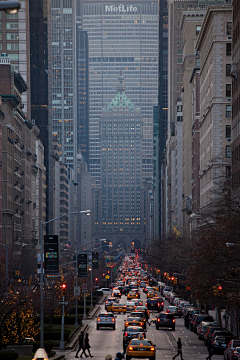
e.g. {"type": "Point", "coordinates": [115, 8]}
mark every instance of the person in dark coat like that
{"type": "Point", "coordinates": [147, 316]}
{"type": "Point", "coordinates": [80, 344]}
{"type": "Point", "coordinates": [210, 349]}
{"type": "Point", "coordinates": [86, 346]}
{"type": "Point", "coordinates": [179, 349]}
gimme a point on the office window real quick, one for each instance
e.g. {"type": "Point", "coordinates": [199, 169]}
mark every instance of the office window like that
{"type": "Point", "coordinates": [12, 16]}
{"type": "Point", "coordinates": [228, 131]}
{"type": "Point", "coordinates": [12, 25]}
{"type": "Point", "coordinates": [12, 46]}
{"type": "Point", "coordinates": [229, 28]}
{"type": "Point", "coordinates": [198, 29]}
{"type": "Point", "coordinates": [228, 151]}
{"type": "Point", "coordinates": [179, 108]}
{"type": "Point", "coordinates": [228, 49]}
{"type": "Point", "coordinates": [228, 69]}
{"type": "Point", "coordinates": [228, 90]}
{"type": "Point", "coordinates": [12, 36]}
{"type": "Point", "coordinates": [228, 111]}
{"type": "Point", "coordinates": [197, 63]}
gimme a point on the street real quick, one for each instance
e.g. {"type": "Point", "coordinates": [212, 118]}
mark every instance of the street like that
{"type": "Point", "coordinates": [107, 341]}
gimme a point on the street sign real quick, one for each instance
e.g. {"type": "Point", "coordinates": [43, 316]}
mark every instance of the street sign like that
{"type": "Point", "coordinates": [63, 302]}
{"type": "Point", "coordinates": [82, 265]}
{"type": "Point", "coordinates": [84, 286]}
{"type": "Point", "coordinates": [76, 290]}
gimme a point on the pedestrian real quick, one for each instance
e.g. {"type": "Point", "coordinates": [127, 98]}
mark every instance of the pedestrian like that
{"type": "Point", "coordinates": [210, 350]}
{"type": "Point", "coordinates": [108, 357]}
{"type": "Point", "coordinates": [80, 344]}
{"type": "Point", "coordinates": [179, 349]}
{"type": "Point", "coordinates": [147, 316]}
{"type": "Point", "coordinates": [154, 319]}
{"type": "Point", "coordinates": [86, 346]}
{"type": "Point", "coordinates": [119, 356]}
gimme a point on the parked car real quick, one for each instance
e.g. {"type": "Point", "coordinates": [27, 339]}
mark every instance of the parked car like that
{"type": "Point", "coordinates": [219, 344]}
{"type": "Point", "coordinates": [105, 291]}
{"type": "Point", "coordinates": [228, 353]}
{"type": "Point", "coordinates": [202, 327]}
{"type": "Point", "coordinates": [209, 332]}
{"type": "Point", "coordinates": [201, 317]}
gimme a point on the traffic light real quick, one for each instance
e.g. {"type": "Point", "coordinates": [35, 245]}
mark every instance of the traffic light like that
{"type": "Point", "coordinates": [63, 289]}
{"type": "Point", "coordinates": [215, 290]}
{"type": "Point", "coordinates": [220, 290]}
{"type": "Point", "coordinates": [175, 281]}
{"type": "Point", "coordinates": [95, 260]}
{"type": "Point", "coordinates": [172, 279]}
{"type": "Point", "coordinates": [96, 280]}
{"type": "Point", "coordinates": [165, 274]}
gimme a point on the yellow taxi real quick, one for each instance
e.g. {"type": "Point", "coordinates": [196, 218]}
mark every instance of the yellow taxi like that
{"type": "Point", "coordinates": [151, 294]}
{"type": "Point", "coordinates": [134, 321]}
{"type": "Point", "coordinates": [131, 295]}
{"type": "Point", "coordinates": [141, 348]}
{"type": "Point", "coordinates": [115, 307]}
{"type": "Point", "coordinates": [156, 288]}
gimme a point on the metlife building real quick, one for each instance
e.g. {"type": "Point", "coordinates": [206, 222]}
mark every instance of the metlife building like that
{"type": "Point", "coordinates": [122, 35]}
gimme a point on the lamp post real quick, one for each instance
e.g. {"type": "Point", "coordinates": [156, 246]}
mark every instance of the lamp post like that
{"type": "Point", "coordinates": [10, 7]}
{"type": "Point", "coordinates": [41, 289]}
{"type": "Point", "coordinates": [6, 246]}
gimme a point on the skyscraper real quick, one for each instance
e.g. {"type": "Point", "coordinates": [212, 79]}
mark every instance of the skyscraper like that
{"type": "Point", "coordinates": [121, 206]}
{"type": "Point", "coordinates": [122, 35]}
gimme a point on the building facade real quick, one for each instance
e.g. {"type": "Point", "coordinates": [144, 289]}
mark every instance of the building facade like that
{"type": "Point", "coordinates": [214, 47]}
{"type": "Point", "coordinates": [121, 200]}
{"type": "Point", "coordinates": [122, 35]}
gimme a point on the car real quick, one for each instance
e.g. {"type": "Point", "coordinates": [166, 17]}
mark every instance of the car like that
{"type": "Point", "coordinates": [165, 319]}
{"type": "Point", "coordinates": [219, 344]}
{"type": "Point", "coordinates": [166, 290]}
{"type": "Point", "coordinates": [209, 332]}
{"type": "Point", "coordinates": [132, 332]}
{"type": "Point", "coordinates": [143, 309]}
{"type": "Point", "coordinates": [154, 304]}
{"type": "Point", "coordinates": [116, 293]}
{"type": "Point", "coordinates": [130, 305]}
{"type": "Point", "coordinates": [200, 317]}
{"type": "Point", "coordinates": [115, 307]}
{"type": "Point", "coordinates": [109, 301]}
{"type": "Point", "coordinates": [105, 291]}
{"type": "Point", "coordinates": [174, 310]}
{"type": "Point", "coordinates": [137, 302]}
{"type": "Point", "coordinates": [141, 348]}
{"type": "Point", "coordinates": [106, 319]}
{"type": "Point", "coordinates": [218, 333]}
{"type": "Point", "coordinates": [202, 327]}
{"type": "Point", "coordinates": [151, 294]}
{"type": "Point", "coordinates": [133, 321]}
{"type": "Point", "coordinates": [132, 295]}
{"type": "Point", "coordinates": [140, 314]}
{"type": "Point", "coordinates": [229, 352]}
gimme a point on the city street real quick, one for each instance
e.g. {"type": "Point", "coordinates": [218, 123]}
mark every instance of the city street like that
{"type": "Point", "coordinates": [107, 341]}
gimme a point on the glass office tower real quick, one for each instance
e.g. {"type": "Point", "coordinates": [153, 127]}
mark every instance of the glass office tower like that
{"type": "Point", "coordinates": [122, 35]}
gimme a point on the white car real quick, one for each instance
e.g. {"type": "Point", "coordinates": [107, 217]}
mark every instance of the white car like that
{"type": "Point", "coordinates": [105, 291]}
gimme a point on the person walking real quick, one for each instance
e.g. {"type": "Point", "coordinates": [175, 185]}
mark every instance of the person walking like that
{"type": "Point", "coordinates": [210, 350]}
{"type": "Point", "coordinates": [86, 346]}
{"type": "Point", "coordinates": [108, 357]}
{"type": "Point", "coordinates": [179, 349]}
{"type": "Point", "coordinates": [147, 316]}
{"type": "Point", "coordinates": [119, 356]}
{"type": "Point", "coordinates": [80, 344]}
{"type": "Point", "coordinates": [154, 319]}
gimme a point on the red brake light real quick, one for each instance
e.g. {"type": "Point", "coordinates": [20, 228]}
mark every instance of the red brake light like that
{"type": "Point", "coordinates": [98, 319]}
{"type": "Point", "coordinates": [113, 319]}
{"type": "Point", "coordinates": [126, 323]}
{"type": "Point", "coordinates": [141, 324]}
{"type": "Point", "coordinates": [158, 304]}
{"type": "Point", "coordinates": [126, 334]}
{"type": "Point", "coordinates": [130, 348]}
{"type": "Point", "coordinates": [173, 320]}
{"type": "Point", "coordinates": [158, 320]}
{"type": "Point", "coordinates": [125, 306]}
{"type": "Point", "coordinates": [162, 303]}
{"type": "Point", "coordinates": [146, 304]}
{"type": "Point", "coordinates": [152, 348]}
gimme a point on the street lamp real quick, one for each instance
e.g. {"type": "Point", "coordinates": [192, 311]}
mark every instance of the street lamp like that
{"type": "Point", "coordinates": [87, 212]}
{"type": "Point", "coordinates": [10, 7]}
{"type": "Point", "coordinates": [6, 245]}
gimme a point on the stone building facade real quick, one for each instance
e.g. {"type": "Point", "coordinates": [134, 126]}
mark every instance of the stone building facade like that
{"type": "Point", "coordinates": [214, 47]}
